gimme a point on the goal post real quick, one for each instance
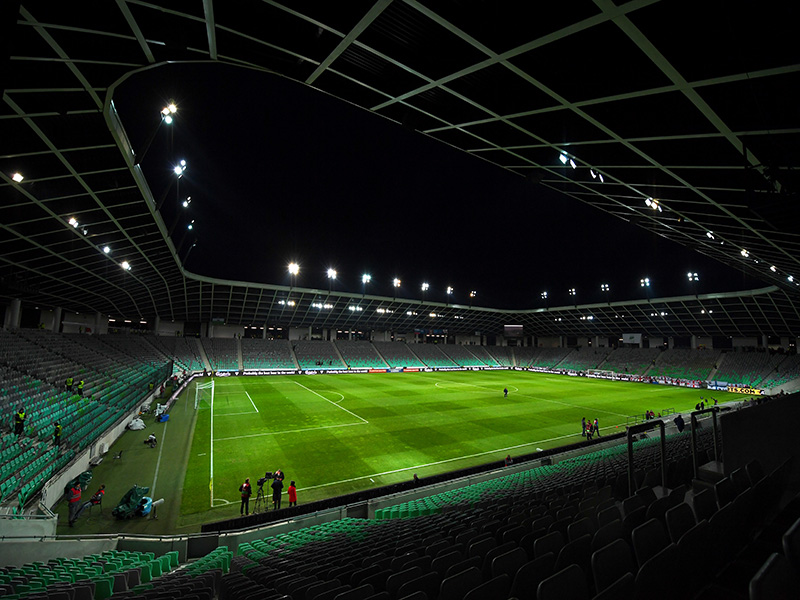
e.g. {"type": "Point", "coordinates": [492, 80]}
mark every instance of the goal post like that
{"type": "Point", "coordinates": [204, 394]}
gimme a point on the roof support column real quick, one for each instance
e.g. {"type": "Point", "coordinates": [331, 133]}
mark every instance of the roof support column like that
{"type": "Point", "coordinates": [57, 319]}
{"type": "Point", "coordinates": [13, 314]}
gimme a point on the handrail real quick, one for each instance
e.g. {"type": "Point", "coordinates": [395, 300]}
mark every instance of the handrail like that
{"type": "Point", "coordinates": [713, 410]}
{"type": "Point", "coordinates": [647, 426]}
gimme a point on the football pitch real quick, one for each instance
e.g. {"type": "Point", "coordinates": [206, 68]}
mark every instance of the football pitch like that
{"type": "Point", "coordinates": [336, 434]}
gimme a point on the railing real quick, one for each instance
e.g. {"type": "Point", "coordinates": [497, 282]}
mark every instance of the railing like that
{"type": "Point", "coordinates": [713, 410]}
{"type": "Point", "coordinates": [646, 426]}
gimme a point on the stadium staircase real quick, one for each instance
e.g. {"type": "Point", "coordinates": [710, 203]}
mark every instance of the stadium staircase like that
{"type": "Point", "coordinates": [715, 369]}
{"type": "Point", "coordinates": [382, 357]}
{"type": "Point", "coordinates": [202, 353]}
{"type": "Point", "coordinates": [415, 354]}
{"type": "Point", "coordinates": [239, 354]}
{"type": "Point", "coordinates": [294, 356]}
{"type": "Point", "coordinates": [338, 353]}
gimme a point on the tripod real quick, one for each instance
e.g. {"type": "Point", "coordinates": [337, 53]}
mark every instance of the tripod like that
{"type": "Point", "coordinates": [260, 502]}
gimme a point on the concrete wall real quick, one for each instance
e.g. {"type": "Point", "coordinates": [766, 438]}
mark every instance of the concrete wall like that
{"type": "Point", "coordinates": [549, 342]}
{"type": "Point", "coordinates": [18, 553]}
{"type": "Point", "coordinates": [75, 323]}
{"type": "Point", "coordinates": [742, 342]}
{"type": "Point", "coordinates": [468, 340]}
{"type": "Point", "coordinates": [767, 433]}
{"type": "Point", "coordinates": [225, 331]}
{"type": "Point", "coordinates": [171, 328]}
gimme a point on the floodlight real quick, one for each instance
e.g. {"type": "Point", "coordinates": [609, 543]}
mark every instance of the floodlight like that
{"type": "Point", "coordinates": [693, 276]}
{"type": "Point", "coordinates": [544, 295]}
{"type": "Point", "coordinates": [178, 170]}
{"type": "Point", "coordinates": [294, 268]}
{"type": "Point", "coordinates": [645, 282]}
{"type": "Point", "coordinates": [172, 108]}
{"type": "Point", "coordinates": [774, 269]}
{"type": "Point", "coordinates": [649, 202]}
{"type": "Point", "coordinates": [187, 202]}
{"type": "Point", "coordinates": [17, 177]}
{"type": "Point", "coordinates": [572, 164]}
{"type": "Point", "coordinates": [449, 290]}
{"type": "Point", "coordinates": [331, 273]}
{"type": "Point", "coordinates": [190, 226]}
{"type": "Point", "coordinates": [572, 291]}
{"type": "Point", "coordinates": [396, 282]}
{"type": "Point", "coordinates": [563, 158]}
{"type": "Point", "coordinates": [165, 111]}
{"type": "Point", "coordinates": [592, 173]}
{"type": "Point", "coordinates": [710, 235]}
{"type": "Point", "coordinates": [106, 249]}
{"type": "Point", "coordinates": [790, 278]}
{"type": "Point", "coordinates": [473, 293]}
{"type": "Point", "coordinates": [604, 287]}
{"type": "Point", "coordinates": [366, 278]}
{"type": "Point", "coordinates": [600, 175]}
{"type": "Point", "coordinates": [744, 252]}
{"type": "Point", "coordinates": [125, 265]}
{"type": "Point", "coordinates": [168, 119]}
{"type": "Point", "coordinates": [74, 222]}
{"type": "Point", "coordinates": [425, 287]}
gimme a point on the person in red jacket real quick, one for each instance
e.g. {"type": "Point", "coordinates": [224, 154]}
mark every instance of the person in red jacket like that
{"type": "Point", "coordinates": [74, 497]}
{"type": "Point", "coordinates": [292, 491]}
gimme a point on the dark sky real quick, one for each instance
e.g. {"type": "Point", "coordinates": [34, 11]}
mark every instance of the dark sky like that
{"type": "Point", "coordinates": [280, 172]}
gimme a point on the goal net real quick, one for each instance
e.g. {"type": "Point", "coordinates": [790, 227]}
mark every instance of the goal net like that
{"type": "Point", "coordinates": [601, 373]}
{"type": "Point", "coordinates": [204, 394]}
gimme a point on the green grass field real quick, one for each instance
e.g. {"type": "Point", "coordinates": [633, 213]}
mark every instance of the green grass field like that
{"type": "Point", "coordinates": [335, 434]}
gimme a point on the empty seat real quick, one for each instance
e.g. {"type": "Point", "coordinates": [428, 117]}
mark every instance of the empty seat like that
{"type": "Point", "coordinates": [567, 584]}
{"type": "Point", "coordinates": [509, 562]}
{"type": "Point", "coordinates": [651, 583]}
{"type": "Point", "coordinates": [457, 586]}
{"type": "Point", "coordinates": [494, 589]}
{"type": "Point", "coordinates": [610, 563]}
{"type": "Point", "coordinates": [607, 534]}
{"type": "Point", "coordinates": [552, 542]}
{"type": "Point", "coordinates": [530, 575]}
{"type": "Point", "coordinates": [774, 580]}
{"type": "Point", "coordinates": [648, 539]}
{"type": "Point", "coordinates": [680, 519]}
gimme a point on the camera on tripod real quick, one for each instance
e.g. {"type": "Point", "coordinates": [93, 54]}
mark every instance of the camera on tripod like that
{"type": "Point", "coordinates": [261, 482]}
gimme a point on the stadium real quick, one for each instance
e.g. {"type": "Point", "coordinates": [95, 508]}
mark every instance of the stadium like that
{"type": "Point", "coordinates": [424, 265]}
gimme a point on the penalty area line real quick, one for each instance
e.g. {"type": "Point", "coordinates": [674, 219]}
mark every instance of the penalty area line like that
{"type": "Point", "coordinates": [251, 400]}
{"type": "Point", "coordinates": [252, 435]}
{"type": "Point", "coordinates": [332, 402]}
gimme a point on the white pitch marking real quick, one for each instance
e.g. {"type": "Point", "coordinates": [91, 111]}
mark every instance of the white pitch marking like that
{"type": "Point", "coordinates": [251, 400]}
{"type": "Point", "coordinates": [202, 454]}
{"type": "Point", "coordinates": [447, 460]}
{"type": "Point", "coordinates": [372, 480]}
{"type": "Point", "coordinates": [331, 401]}
{"type": "Point", "coordinates": [240, 437]}
{"type": "Point", "coordinates": [158, 462]}
{"type": "Point", "coordinates": [235, 414]}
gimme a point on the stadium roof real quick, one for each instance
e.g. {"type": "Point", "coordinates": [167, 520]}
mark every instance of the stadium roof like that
{"type": "Point", "coordinates": [688, 104]}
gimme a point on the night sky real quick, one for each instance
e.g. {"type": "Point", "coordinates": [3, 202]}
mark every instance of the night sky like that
{"type": "Point", "coordinates": [280, 172]}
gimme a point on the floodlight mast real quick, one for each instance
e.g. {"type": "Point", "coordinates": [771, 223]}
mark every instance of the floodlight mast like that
{"type": "Point", "coordinates": [365, 279]}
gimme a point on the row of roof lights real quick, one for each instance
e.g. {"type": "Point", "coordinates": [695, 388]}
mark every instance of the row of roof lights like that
{"type": "Point", "coordinates": [106, 249]}
{"type": "Point", "coordinates": [566, 159]}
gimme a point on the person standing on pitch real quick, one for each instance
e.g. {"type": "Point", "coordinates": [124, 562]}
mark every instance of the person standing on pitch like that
{"type": "Point", "coordinates": [596, 428]}
{"type": "Point", "coordinates": [583, 426]}
{"type": "Point", "coordinates": [247, 491]}
{"type": "Point", "coordinates": [277, 488]}
{"type": "Point", "coordinates": [505, 392]}
{"type": "Point", "coordinates": [292, 491]}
